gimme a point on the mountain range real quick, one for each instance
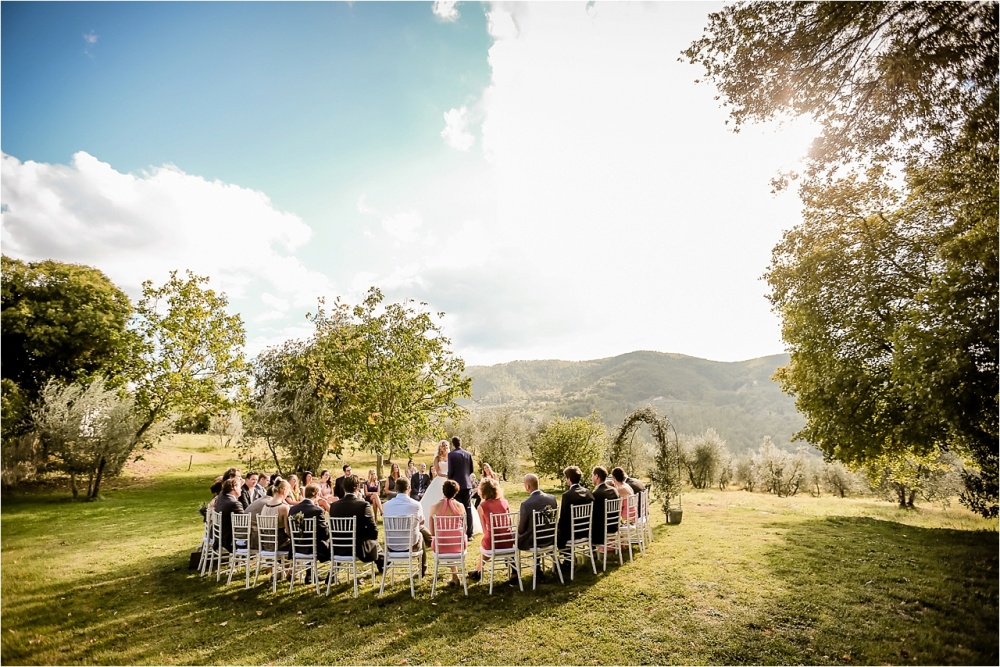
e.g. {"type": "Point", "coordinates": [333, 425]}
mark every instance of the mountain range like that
{"type": "Point", "coordinates": [738, 399]}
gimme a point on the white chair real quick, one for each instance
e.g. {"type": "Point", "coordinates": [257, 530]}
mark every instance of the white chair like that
{"type": "Point", "coordinates": [399, 551]}
{"type": "Point", "coordinates": [612, 534]}
{"type": "Point", "coordinates": [504, 546]}
{"type": "Point", "coordinates": [242, 554]}
{"type": "Point", "coordinates": [579, 542]}
{"type": "Point", "coordinates": [343, 532]}
{"type": "Point", "coordinates": [633, 534]}
{"type": "Point", "coordinates": [643, 519]}
{"type": "Point", "coordinates": [543, 543]}
{"type": "Point", "coordinates": [449, 548]}
{"type": "Point", "coordinates": [268, 552]}
{"type": "Point", "coordinates": [303, 533]}
{"type": "Point", "coordinates": [216, 554]}
{"type": "Point", "coordinates": [206, 543]}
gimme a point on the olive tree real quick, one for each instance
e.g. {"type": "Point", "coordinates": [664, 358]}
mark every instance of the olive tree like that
{"type": "Point", "coordinates": [562, 442]}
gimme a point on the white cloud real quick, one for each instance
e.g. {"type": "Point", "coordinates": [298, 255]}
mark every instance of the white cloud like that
{"type": "Point", "coordinates": [455, 132]}
{"type": "Point", "coordinates": [403, 227]}
{"type": "Point", "coordinates": [136, 227]}
{"type": "Point", "coordinates": [446, 10]}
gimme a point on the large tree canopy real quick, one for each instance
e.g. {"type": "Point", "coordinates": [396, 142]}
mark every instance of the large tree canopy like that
{"type": "Point", "coordinates": [888, 289]}
{"type": "Point", "coordinates": [61, 322]}
{"type": "Point", "coordinates": [388, 369]}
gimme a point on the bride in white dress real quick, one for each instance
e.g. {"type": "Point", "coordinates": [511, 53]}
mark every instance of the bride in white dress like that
{"type": "Point", "coordinates": [434, 492]}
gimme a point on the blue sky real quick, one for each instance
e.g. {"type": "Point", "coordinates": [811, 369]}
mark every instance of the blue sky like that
{"type": "Point", "coordinates": [547, 174]}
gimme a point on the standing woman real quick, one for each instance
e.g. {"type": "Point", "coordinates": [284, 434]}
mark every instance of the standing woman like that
{"type": "Point", "coordinates": [371, 492]}
{"type": "Point", "coordinates": [389, 488]}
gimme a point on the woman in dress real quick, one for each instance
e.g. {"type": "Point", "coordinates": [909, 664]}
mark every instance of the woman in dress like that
{"type": "Point", "coordinates": [624, 491]}
{"type": "Point", "coordinates": [389, 487]}
{"type": "Point", "coordinates": [487, 474]}
{"type": "Point", "coordinates": [295, 493]}
{"type": "Point", "coordinates": [439, 473]}
{"type": "Point", "coordinates": [493, 503]}
{"type": "Point", "coordinates": [371, 492]}
{"type": "Point", "coordinates": [279, 507]}
{"type": "Point", "coordinates": [448, 506]}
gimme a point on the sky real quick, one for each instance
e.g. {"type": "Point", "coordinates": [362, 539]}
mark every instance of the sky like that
{"type": "Point", "coordinates": [550, 176]}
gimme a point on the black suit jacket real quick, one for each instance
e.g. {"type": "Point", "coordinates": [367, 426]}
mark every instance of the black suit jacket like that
{"type": "Point", "coordinates": [229, 506]}
{"type": "Point", "coordinates": [637, 486]}
{"type": "Point", "coordinates": [538, 500]}
{"type": "Point", "coordinates": [418, 484]}
{"type": "Point", "coordinates": [575, 495]}
{"type": "Point", "coordinates": [598, 522]}
{"type": "Point", "coordinates": [460, 468]}
{"type": "Point", "coordinates": [310, 510]}
{"type": "Point", "coordinates": [366, 541]}
{"type": "Point", "coordinates": [338, 487]}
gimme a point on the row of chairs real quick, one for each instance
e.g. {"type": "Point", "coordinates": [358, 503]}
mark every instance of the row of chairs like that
{"type": "Point", "coordinates": [626, 527]}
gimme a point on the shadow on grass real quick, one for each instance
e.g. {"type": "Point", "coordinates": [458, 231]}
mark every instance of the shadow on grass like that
{"type": "Point", "coordinates": [164, 613]}
{"type": "Point", "coordinates": [878, 592]}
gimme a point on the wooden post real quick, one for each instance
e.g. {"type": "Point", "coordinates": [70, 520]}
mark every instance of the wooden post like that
{"type": "Point", "coordinates": [190, 461]}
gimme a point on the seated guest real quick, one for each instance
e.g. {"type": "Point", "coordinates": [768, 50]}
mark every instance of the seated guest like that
{"type": "Point", "coordinates": [309, 509]}
{"type": "Point", "coordinates": [419, 482]}
{"type": "Point", "coordinates": [411, 469]}
{"type": "Point", "coordinates": [574, 495]}
{"type": "Point", "coordinates": [448, 506]}
{"type": "Point", "coordinates": [279, 507]}
{"type": "Point", "coordinates": [229, 504]}
{"type": "Point", "coordinates": [294, 492]}
{"type": "Point", "coordinates": [251, 491]}
{"type": "Point", "coordinates": [307, 479]}
{"type": "Point", "coordinates": [389, 486]}
{"type": "Point", "coordinates": [403, 505]}
{"type": "Point", "coordinates": [366, 545]}
{"type": "Point", "coordinates": [370, 490]}
{"type": "Point", "coordinates": [253, 510]}
{"type": "Point", "coordinates": [602, 491]}
{"type": "Point", "coordinates": [492, 503]}
{"type": "Point", "coordinates": [338, 485]}
{"type": "Point", "coordinates": [636, 486]}
{"type": "Point", "coordinates": [536, 500]}
{"type": "Point", "coordinates": [624, 490]}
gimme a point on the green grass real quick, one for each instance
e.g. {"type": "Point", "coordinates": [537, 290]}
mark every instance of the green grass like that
{"type": "Point", "coordinates": [745, 578]}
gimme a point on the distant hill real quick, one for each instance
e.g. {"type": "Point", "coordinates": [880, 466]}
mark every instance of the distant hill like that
{"type": "Point", "coordinates": [737, 399]}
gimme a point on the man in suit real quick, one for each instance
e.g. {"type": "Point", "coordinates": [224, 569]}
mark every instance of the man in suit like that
{"type": "Point", "coordinates": [602, 491]}
{"type": "Point", "coordinates": [536, 500]}
{"type": "Point", "coordinates": [229, 504]}
{"type": "Point", "coordinates": [366, 540]}
{"type": "Point", "coordinates": [338, 484]}
{"type": "Point", "coordinates": [460, 470]}
{"type": "Point", "coordinates": [419, 482]}
{"type": "Point", "coordinates": [575, 495]}
{"type": "Point", "coordinates": [251, 490]}
{"type": "Point", "coordinates": [310, 510]}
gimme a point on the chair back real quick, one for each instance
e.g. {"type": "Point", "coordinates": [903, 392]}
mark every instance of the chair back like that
{"type": "Point", "coordinates": [543, 527]}
{"type": "Point", "coordinates": [449, 534]}
{"type": "Point", "coordinates": [612, 516]}
{"type": "Point", "coordinates": [581, 521]}
{"type": "Point", "coordinates": [644, 502]}
{"type": "Point", "coordinates": [217, 530]}
{"type": "Point", "coordinates": [241, 530]}
{"type": "Point", "coordinates": [303, 534]}
{"type": "Point", "coordinates": [503, 531]}
{"type": "Point", "coordinates": [267, 532]}
{"type": "Point", "coordinates": [398, 533]}
{"type": "Point", "coordinates": [631, 509]}
{"type": "Point", "coordinates": [342, 536]}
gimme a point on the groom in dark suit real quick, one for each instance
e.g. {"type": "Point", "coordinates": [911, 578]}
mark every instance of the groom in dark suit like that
{"type": "Point", "coordinates": [460, 469]}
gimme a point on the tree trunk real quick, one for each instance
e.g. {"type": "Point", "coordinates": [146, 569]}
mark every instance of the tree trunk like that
{"type": "Point", "coordinates": [913, 495]}
{"type": "Point", "coordinates": [901, 496]}
{"type": "Point", "coordinates": [97, 480]}
{"type": "Point", "coordinates": [378, 464]}
{"type": "Point", "coordinates": [72, 485]}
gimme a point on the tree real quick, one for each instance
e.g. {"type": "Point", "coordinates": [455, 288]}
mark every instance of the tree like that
{"type": "Point", "coordinates": [389, 369]}
{"type": "Point", "coordinates": [288, 415]}
{"type": "Point", "coordinates": [703, 457]}
{"type": "Point", "coordinates": [580, 441]}
{"type": "Point", "coordinates": [497, 436]}
{"type": "Point", "coordinates": [63, 322]}
{"type": "Point", "coordinates": [88, 428]}
{"type": "Point", "coordinates": [935, 478]}
{"type": "Point", "coordinates": [888, 290]}
{"type": "Point", "coordinates": [191, 350]}
{"type": "Point", "coordinates": [227, 426]}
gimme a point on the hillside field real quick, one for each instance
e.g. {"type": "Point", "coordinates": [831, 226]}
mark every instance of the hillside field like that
{"type": "Point", "coordinates": [744, 579]}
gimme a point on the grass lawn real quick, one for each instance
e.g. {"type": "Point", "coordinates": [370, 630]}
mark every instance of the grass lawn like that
{"type": "Point", "coordinates": [744, 579]}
